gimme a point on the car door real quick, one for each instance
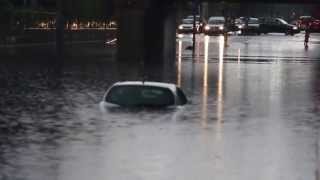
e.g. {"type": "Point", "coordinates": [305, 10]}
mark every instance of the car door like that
{"type": "Point", "coordinates": [281, 28]}
{"type": "Point", "coordinates": [268, 26]}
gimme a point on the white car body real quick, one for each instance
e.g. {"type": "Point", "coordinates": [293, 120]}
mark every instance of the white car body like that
{"type": "Point", "coordinates": [187, 26]}
{"type": "Point", "coordinates": [215, 25]}
{"type": "Point", "coordinates": [172, 87]}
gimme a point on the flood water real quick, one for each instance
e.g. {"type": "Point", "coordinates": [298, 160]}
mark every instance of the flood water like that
{"type": "Point", "coordinates": [248, 118]}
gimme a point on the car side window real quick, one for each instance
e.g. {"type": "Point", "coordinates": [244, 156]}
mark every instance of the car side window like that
{"type": "Point", "coordinates": [182, 99]}
{"type": "Point", "coordinates": [272, 22]}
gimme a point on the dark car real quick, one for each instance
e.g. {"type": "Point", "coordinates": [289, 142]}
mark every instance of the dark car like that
{"type": "Point", "coordinates": [277, 25]}
{"type": "Point", "coordinates": [250, 27]}
{"type": "Point", "coordinates": [144, 94]}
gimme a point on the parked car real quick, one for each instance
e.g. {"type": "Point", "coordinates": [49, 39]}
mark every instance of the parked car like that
{"type": "Point", "coordinates": [315, 26]}
{"type": "Point", "coordinates": [186, 26]}
{"type": "Point", "coordinates": [145, 94]}
{"type": "Point", "coordinates": [216, 25]}
{"type": "Point", "coordinates": [250, 27]}
{"type": "Point", "coordinates": [199, 22]}
{"type": "Point", "coordinates": [304, 21]}
{"type": "Point", "coordinates": [277, 25]}
{"type": "Point", "coordinates": [191, 17]}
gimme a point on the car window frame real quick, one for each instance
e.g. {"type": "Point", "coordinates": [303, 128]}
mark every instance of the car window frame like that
{"type": "Point", "coordinates": [181, 98]}
{"type": "Point", "coordinates": [107, 95]}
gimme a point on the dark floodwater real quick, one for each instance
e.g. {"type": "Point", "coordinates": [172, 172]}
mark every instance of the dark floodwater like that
{"type": "Point", "coordinates": [247, 119]}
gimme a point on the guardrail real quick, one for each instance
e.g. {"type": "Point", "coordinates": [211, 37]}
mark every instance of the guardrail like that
{"type": "Point", "coordinates": [47, 35]}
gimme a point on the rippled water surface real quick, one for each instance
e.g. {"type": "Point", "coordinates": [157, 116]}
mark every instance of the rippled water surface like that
{"type": "Point", "coordinates": [247, 119]}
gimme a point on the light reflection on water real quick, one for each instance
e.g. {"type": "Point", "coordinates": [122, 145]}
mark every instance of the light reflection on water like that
{"type": "Point", "coordinates": [205, 84]}
{"type": "Point", "coordinates": [179, 63]}
{"type": "Point", "coordinates": [250, 107]}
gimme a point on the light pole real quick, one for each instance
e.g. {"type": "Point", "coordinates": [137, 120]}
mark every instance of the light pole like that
{"type": "Point", "coordinates": [60, 29]}
{"type": "Point", "coordinates": [195, 5]}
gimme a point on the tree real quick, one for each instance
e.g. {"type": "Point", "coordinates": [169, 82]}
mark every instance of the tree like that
{"type": "Point", "coordinates": [89, 9]}
{"type": "Point", "coordinates": [6, 13]}
{"type": "Point", "coordinates": [6, 10]}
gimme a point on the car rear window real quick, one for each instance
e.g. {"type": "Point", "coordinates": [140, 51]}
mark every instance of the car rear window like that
{"type": "Point", "coordinates": [133, 95]}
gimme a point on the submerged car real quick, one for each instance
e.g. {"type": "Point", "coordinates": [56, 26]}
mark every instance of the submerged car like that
{"type": "Point", "coordinates": [277, 25]}
{"type": "Point", "coordinates": [215, 25]}
{"type": "Point", "coordinates": [144, 94]}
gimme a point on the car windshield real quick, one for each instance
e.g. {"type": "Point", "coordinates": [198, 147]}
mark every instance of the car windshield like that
{"type": "Point", "coordinates": [282, 21]}
{"type": "Point", "coordinates": [187, 21]}
{"type": "Point", "coordinates": [191, 17]}
{"type": "Point", "coordinates": [253, 21]}
{"type": "Point", "coordinates": [216, 21]}
{"type": "Point", "coordinates": [239, 21]}
{"type": "Point", "coordinates": [135, 95]}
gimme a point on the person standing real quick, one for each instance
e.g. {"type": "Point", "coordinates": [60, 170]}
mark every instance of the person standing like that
{"type": "Point", "coordinates": [307, 36]}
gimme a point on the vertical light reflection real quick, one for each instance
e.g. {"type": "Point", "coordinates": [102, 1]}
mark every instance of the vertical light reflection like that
{"type": "Point", "coordinates": [205, 83]}
{"type": "Point", "coordinates": [220, 84]}
{"type": "Point", "coordinates": [219, 124]}
{"type": "Point", "coordinates": [198, 49]}
{"type": "Point", "coordinates": [318, 158]}
{"type": "Point", "coordinates": [179, 63]}
{"type": "Point", "coordinates": [206, 52]}
{"type": "Point", "coordinates": [239, 55]}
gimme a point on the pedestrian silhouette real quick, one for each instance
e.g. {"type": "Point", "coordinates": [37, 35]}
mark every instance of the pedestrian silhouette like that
{"type": "Point", "coordinates": [307, 36]}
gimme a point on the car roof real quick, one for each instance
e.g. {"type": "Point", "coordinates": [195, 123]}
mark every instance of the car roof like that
{"type": "Point", "coordinates": [170, 86]}
{"type": "Point", "coordinates": [305, 17]}
{"type": "Point", "coordinates": [216, 18]}
{"type": "Point", "coordinates": [192, 16]}
{"type": "Point", "coordinates": [250, 18]}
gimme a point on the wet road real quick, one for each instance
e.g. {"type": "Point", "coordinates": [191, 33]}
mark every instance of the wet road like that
{"type": "Point", "coordinates": [254, 114]}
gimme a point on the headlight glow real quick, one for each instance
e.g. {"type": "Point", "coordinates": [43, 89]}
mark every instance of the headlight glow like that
{"type": "Point", "coordinates": [180, 27]}
{"type": "Point", "coordinates": [221, 27]}
{"type": "Point", "coordinates": [295, 27]}
{"type": "Point", "coordinates": [207, 27]}
{"type": "Point", "coordinates": [240, 26]}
